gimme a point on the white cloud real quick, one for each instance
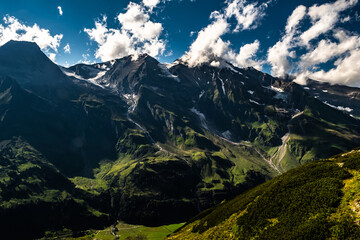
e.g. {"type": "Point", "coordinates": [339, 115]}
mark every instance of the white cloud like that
{"type": "Point", "coordinates": [67, 48]}
{"type": "Point", "coordinates": [278, 57]}
{"type": "Point", "coordinates": [246, 14]}
{"type": "Point", "coordinates": [279, 54]}
{"type": "Point", "coordinates": [209, 42]}
{"type": "Point", "coordinates": [345, 52]}
{"type": "Point", "coordinates": [137, 34]}
{"type": "Point", "coordinates": [85, 59]}
{"type": "Point", "coordinates": [345, 19]}
{"type": "Point", "coordinates": [13, 29]}
{"type": "Point", "coordinates": [327, 50]}
{"type": "Point", "coordinates": [293, 21]}
{"type": "Point", "coordinates": [246, 55]}
{"type": "Point", "coordinates": [324, 17]}
{"type": "Point", "coordinates": [60, 10]}
{"type": "Point", "coordinates": [134, 17]}
{"type": "Point", "coordinates": [151, 3]}
{"type": "Point", "coordinates": [98, 33]}
{"type": "Point", "coordinates": [137, 22]}
{"type": "Point", "coordinates": [116, 45]}
{"type": "Point", "coordinates": [324, 42]}
{"type": "Point", "coordinates": [52, 56]}
{"type": "Point", "coordinates": [346, 71]}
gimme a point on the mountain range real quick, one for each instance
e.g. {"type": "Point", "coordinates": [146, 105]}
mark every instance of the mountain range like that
{"type": "Point", "coordinates": [151, 143]}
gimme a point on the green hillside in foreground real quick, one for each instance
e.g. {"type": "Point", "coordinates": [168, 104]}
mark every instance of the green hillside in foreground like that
{"type": "Point", "coordinates": [319, 200]}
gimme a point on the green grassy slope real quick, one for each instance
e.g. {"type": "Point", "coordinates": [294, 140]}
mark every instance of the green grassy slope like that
{"type": "Point", "coordinates": [318, 200]}
{"type": "Point", "coordinates": [35, 196]}
{"type": "Point", "coordinates": [120, 231]}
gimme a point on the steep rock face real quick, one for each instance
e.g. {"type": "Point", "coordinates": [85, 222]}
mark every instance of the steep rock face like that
{"type": "Point", "coordinates": [248, 105]}
{"type": "Point", "coordinates": [25, 62]}
{"type": "Point", "coordinates": [74, 131]}
{"type": "Point", "coordinates": [228, 99]}
{"type": "Point", "coordinates": [341, 97]}
{"type": "Point", "coordinates": [90, 71]}
{"type": "Point", "coordinates": [18, 59]}
{"type": "Point", "coordinates": [128, 74]}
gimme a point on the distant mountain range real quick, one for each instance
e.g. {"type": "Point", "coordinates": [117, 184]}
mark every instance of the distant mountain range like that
{"type": "Point", "coordinates": [151, 143]}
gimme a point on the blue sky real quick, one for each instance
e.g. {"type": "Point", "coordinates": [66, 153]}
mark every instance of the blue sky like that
{"type": "Point", "coordinates": [178, 17]}
{"type": "Point", "coordinates": [173, 26]}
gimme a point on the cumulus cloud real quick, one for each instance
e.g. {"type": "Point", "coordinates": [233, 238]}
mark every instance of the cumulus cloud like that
{"type": "Point", "coordinates": [246, 14]}
{"type": "Point", "coordinates": [279, 54]}
{"type": "Point", "coordinates": [137, 22]}
{"type": "Point", "coordinates": [294, 19]}
{"type": "Point", "coordinates": [13, 29]}
{"type": "Point", "coordinates": [151, 3]}
{"type": "Point", "coordinates": [301, 52]}
{"type": "Point", "coordinates": [67, 48]}
{"type": "Point", "coordinates": [346, 53]}
{"type": "Point", "coordinates": [346, 70]}
{"type": "Point", "coordinates": [246, 55]}
{"type": "Point", "coordinates": [327, 50]}
{"type": "Point", "coordinates": [137, 34]}
{"type": "Point", "coordinates": [345, 19]}
{"type": "Point", "coordinates": [52, 56]}
{"type": "Point", "coordinates": [60, 10]}
{"type": "Point", "coordinates": [324, 17]}
{"type": "Point", "coordinates": [209, 42]}
{"type": "Point", "coordinates": [85, 58]}
{"type": "Point", "coordinates": [98, 33]}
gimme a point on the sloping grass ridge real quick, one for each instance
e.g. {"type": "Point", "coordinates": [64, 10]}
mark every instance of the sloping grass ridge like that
{"type": "Point", "coordinates": [318, 200]}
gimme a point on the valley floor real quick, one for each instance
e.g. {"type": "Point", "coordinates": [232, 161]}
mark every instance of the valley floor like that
{"type": "Point", "coordinates": [121, 231]}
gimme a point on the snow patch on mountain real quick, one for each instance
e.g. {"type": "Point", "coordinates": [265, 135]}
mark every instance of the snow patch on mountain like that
{"type": "Point", "coordinates": [276, 89]}
{"type": "Point", "coordinates": [201, 117]}
{"type": "Point", "coordinates": [155, 89]}
{"type": "Point", "coordinates": [280, 94]}
{"type": "Point", "coordinates": [98, 76]}
{"type": "Point", "coordinates": [227, 135]}
{"type": "Point", "coordinates": [102, 66]}
{"type": "Point", "coordinates": [90, 80]}
{"type": "Point", "coordinates": [253, 101]}
{"type": "Point", "coordinates": [341, 108]}
{"type": "Point", "coordinates": [222, 64]}
{"type": "Point", "coordinates": [170, 65]}
{"type": "Point", "coordinates": [222, 85]}
{"type": "Point", "coordinates": [167, 73]}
